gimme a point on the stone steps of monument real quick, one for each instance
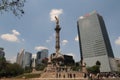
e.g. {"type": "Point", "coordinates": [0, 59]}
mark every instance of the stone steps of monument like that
{"type": "Point", "coordinates": [59, 79]}
{"type": "Point", "coordinates": [61, 75]}
{"type": "Point", "coordinates": [48, 75]}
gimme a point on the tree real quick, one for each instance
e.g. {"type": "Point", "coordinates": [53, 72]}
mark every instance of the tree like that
{"type": "Point", "coordinates": [76, 68]}
{"type": "Point", "coordinates": [8, 69]}
{"type": "Point", "coordinates": [2, 63]}
{"type": "Point", "coordinates": [16, 6]}
{"type": "Point", "coordinates": [40, 67]}
{"type": "Point", "coordinates": [98, 63]}
{"type": "Point", "coordinates": [27, 69]}
{"type": "Point", "coordinates": [94, 69]}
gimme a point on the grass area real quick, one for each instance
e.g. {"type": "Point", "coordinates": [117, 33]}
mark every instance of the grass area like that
{"type": "Point", "coordinates": [29, 75]}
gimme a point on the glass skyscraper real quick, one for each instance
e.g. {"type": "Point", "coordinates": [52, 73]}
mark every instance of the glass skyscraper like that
{"type": "Point", "coordinates": [42, 54]}
{"type": "Point", "coordinates": [27, 60]}
{"type": "Point", "coordinates": [20, 56]}
{"type": "Point", "coordinates": [24, 58]}
{"type": "Point", "coordinates": [94, 42]}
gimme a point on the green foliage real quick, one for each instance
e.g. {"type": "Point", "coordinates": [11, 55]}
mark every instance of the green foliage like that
{"type": "Point", "coordinates": [2, 66]}
{"type": "Point", "coordinates": [29, 75]}
{"type": "Point", "coordinates": [94, 69]}
{"type": "Point", "coordinates": [16, 6]}
{"type": "Point", "coordinates": [8, 69]}
{"type": "Point", "coordinates": [13, 69]}
{"type": "Point", "coordinates": [2, 62]}
{"type": "Point", "coordinates": [76, 68]}
{"type": "Point", "coordinates": [98, 63]}
{"type": "Point", "coordinates": [40, 67]}
{"type": "Point", "coordinates": [27, 69]}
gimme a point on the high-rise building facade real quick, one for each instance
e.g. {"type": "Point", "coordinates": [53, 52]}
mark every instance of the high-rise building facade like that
{"type": "Point", "coordinates": [94, 42]}
{"type": "Point", "coordinates": [33, 60]}
{"type": "Point", "coordinates": [41, 55]}
{"type": "Point", "coordinates": [20, 57]}
{"type": "Point", "coordinates": [27, 60]}
{"type": "Point", "coordinates": [24, 59]}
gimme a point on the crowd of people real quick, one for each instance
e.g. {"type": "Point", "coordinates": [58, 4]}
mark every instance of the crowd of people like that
{"type": "Point", "coordinates": [102, 76]}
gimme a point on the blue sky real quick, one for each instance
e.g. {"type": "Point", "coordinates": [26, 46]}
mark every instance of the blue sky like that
{"type": "Point", "coordinates": [35, 30]}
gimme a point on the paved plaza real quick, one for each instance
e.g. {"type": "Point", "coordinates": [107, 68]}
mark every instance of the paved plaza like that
{"type": "Point", "coordinates": [57, 79]}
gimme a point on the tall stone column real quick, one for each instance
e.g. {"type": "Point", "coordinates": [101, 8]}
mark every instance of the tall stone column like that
{"type": "Point", "coordinates": [57, 29]}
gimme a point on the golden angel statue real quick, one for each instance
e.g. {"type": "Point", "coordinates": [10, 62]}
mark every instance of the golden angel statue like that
{"type": "Point", "coordinates": [57, 20]}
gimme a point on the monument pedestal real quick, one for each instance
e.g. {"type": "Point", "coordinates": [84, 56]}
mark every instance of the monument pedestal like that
{"type": "Point", "coordinates": [33, 70]}
{"type": "Point", "coordinates": [84, 70]}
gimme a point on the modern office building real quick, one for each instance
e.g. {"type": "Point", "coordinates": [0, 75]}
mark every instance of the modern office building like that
{"type": "Point", "coordinates": [34, 60]}
{"type": "Point", "coordinates": [20, 57]}
{"type": "Point", "coordinates": [41, 55]}
{"type": "Point", "coordinates": [94, 42]}
{"type": "Point", "coordinates": [2, 53]}
{"type": "Point", "coordinates": [27, 60]}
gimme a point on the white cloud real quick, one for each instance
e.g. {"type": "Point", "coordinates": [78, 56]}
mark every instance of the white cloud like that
{"type": "Point", "coordinates": [11, 37]}
{"type": "Point", "coordinates": [117, 41]}
{"type": "Point", "coordinates": [51, 38]}
{"type": "Point", "coordinates": [76, 38]}
{"type": "Point", "coordinates": [47, 41]}
{"type": "Point", "coordinates": [15, 32]}
{"type": "Point", "coordinates": [81, 17]}
{"type": "Point", "coordinates": [64, 42]}
{"type": "Point", "coordinates": [55, 12]}
{"type": "Point", "coordinates": [38, 48]}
